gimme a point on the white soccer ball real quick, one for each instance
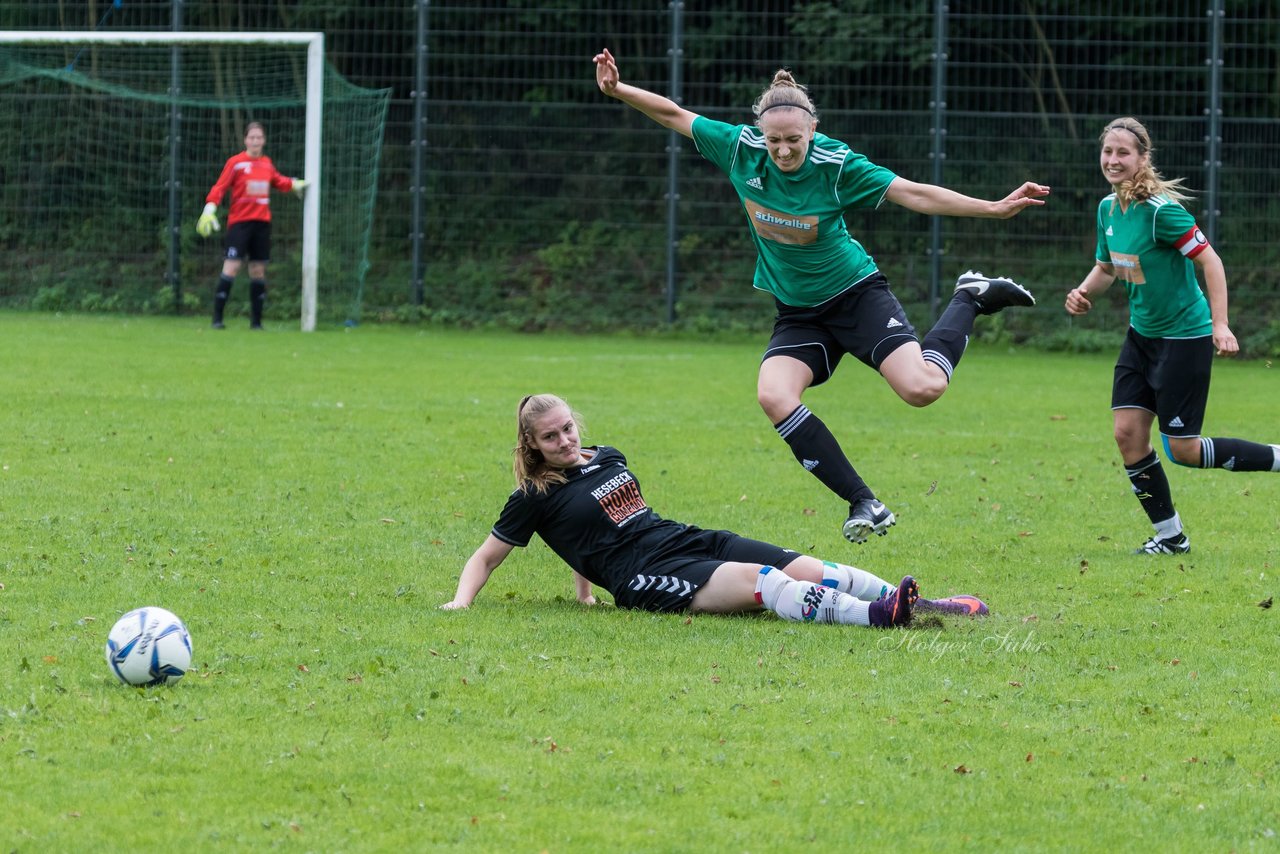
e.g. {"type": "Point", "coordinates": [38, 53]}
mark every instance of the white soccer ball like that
{"type": "Point", "coordinates": [149, 646]}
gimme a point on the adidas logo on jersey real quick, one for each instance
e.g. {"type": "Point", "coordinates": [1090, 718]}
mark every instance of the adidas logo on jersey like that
{"type": "Point", "coordinates": [755, 183]}
{"type": "Point", "coordinates": [1110, 233]}
{"type": "Point", "coordinates": [810, 465]}
{"type": "Point", "coordinates": [893, 323]}
{"type": "Point", "coordinates": [1176, 422]}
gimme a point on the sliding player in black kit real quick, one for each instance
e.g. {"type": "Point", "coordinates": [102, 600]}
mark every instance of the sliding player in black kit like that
{"type": "Point", "coordinates": [586, 504]}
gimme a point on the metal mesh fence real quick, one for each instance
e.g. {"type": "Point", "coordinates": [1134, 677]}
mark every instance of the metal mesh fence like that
{"type": "Point", "coordinates": [545, 203]}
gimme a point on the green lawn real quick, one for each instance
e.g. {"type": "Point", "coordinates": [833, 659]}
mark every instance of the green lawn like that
{"type": "Point", "coordinates": [305, 502]}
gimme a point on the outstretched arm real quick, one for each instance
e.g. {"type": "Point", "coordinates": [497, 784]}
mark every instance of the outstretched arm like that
{"type": "Point", "coordinates": [662, 110]}
{"type": "Point", "coordinates": [476, 572]}
{"type": "Point", "coordinates": [934, 200]}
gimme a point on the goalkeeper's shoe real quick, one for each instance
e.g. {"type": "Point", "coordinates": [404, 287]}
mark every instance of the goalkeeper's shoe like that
{"type": "Point", "coordinates": [963, 605]}
{"type": "Point", "coordinates": [866, 517]}
{"type": "Point", "coordinates": [992, 293]}
{"type": "Point", "coordinates": [895, 609]}
{"type": "Point", "coordinates": [1178, 545]}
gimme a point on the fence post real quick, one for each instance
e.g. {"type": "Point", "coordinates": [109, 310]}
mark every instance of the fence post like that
{"type": "Point", "coordinates": [175, 139]}
{"type": "Point", "coordinates": [1213, 135]}
{"type": "Point", "coordinates": [419, 95]}
{"type": "Point", "coordinates": [938, 146]}
{"type": "Point", "coordinates": [676, 52]}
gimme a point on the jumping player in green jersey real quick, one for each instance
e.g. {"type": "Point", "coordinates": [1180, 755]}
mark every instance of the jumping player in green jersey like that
{"type": "Point", "coordinates": [795, 185]}
{"type": "Point", "coordinates": [586, 504]}
{"type": "Point", "coordinates": [1152, 244]}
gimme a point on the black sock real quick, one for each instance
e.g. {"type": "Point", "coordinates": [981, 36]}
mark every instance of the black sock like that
{"type": "Point", "coordinates": [257, 301]}
{"type": "Point", "coordinates": [221, 292]}
{"type": "Point", "coordinates": [1236, 455]}
{"type": "Point", "coordinates": [1151, 487]}
{"type": "Point", "coordinates": [819, 452]}
{"type": "Point", "coordinates": [946, 341]}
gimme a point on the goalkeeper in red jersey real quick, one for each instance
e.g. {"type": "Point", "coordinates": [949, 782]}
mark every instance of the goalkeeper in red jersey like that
{"type": "Point", "coordinates": [249, 176]}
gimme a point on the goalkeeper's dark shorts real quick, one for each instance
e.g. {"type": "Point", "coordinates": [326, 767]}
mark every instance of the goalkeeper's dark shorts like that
{"type": "Point", "coordinates": [249, 240]}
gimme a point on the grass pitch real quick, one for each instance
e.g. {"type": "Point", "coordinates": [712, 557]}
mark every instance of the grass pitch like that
{"type": "Point", "coordinates": [305, 502]}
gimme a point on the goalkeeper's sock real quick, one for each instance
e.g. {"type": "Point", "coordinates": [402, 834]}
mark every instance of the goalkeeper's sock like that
{"type": "Point", "coordinates": [858, 583]}
{"type": "Point", "coordinates": [805, 601]}
{"type": "Point", "coordinates": [257, 301]}
{"type": "Point", "coordinates": [220, 295]}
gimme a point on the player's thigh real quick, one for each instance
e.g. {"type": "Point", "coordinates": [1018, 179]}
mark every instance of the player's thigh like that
{"type": "Point", "coordinates": [259, 243]}
{"type": "Point", "coordinates": [869, 322]}
{"type": "Point", "coordinates": [1181, 380]}
{"type": "Point", "coordinates": [798, 338]}
{"type": "Point", "coordinates": [731, 589]}
{"type": "Point", "coordinates": [237, 241]}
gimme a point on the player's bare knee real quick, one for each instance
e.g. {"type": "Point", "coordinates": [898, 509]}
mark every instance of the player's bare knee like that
{"type": "Point", "coordinates": [1129, 441]}
{"type": "Point", "coordinates": [776, 404]}
{"type": "Point", "coordinates": [921, 391]}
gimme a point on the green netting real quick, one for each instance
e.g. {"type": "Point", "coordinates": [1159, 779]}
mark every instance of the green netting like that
{"type": "Point", "coordinates": [86, 159]}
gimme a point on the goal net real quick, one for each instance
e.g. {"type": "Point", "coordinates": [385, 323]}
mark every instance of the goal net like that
{"type": "Point", "coordinates": [109, 149]}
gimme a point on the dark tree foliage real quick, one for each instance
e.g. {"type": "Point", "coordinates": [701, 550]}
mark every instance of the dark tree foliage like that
{"type": "Point", "coordinates": [541, 190]}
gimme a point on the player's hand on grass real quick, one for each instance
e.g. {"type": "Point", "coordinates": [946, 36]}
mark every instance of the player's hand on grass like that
{"type": "Point", "coordinates": [606, 72]}
{"type": "Point", "coordinates": [300, 187]}
{"type": "Point", "coordinates": [208, 222]}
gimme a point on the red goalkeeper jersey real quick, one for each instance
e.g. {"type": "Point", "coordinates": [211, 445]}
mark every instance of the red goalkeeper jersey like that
{"type": "Point", "coordinates": [250, 180]}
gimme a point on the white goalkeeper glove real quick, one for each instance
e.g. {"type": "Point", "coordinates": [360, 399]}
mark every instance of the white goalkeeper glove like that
{"type": "Point", "coordinates": [208, 222]}
{"type": "Point", "coordinates": [300, 187]}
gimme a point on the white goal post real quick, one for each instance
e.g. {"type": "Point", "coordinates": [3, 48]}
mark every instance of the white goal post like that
{"type": "Point", "coordinates": [314, 114]}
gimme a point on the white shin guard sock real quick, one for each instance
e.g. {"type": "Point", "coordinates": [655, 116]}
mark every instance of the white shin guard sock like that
{"type": "Point", "coordinates": [805, 601]}
{"type": "Point", "coordinates": [858, 583]}
{"type": "Point", "coordinates": [1170, 528]}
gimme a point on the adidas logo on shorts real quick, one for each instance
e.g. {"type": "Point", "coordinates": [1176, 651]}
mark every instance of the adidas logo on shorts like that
{"type": "Point", "coordinates": [893, 323]}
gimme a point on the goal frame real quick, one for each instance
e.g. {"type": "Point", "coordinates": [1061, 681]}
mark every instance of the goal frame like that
{"type": "Point", "coordinates": [314, 43]}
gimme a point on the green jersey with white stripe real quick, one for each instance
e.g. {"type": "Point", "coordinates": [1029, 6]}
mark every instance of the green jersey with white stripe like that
{"type": "Point", "coordinates": [805, 253]}
{"type": "Point", "coordinates": [1151, 246]}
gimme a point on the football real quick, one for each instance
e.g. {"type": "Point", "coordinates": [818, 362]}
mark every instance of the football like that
{"type": "Point", "coordinates": [149, 646]}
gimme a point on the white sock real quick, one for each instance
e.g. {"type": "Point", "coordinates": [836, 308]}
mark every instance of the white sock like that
{"type": "Point", "coordinates": [805, 601]}
{"type": "Point", "coordinates": [1275, 465]}
{"type": "Point", "coordinates": [858, 583]}
{"type": "Point", "coordinates": [1170, 528]}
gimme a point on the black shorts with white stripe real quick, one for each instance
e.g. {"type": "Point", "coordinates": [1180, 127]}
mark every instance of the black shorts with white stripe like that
{"type": "Point", "coordinates": [669, 580]}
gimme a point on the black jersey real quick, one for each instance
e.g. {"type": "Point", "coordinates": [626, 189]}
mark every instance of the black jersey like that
{"type": "Point", "coordinates": [597, 522]}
